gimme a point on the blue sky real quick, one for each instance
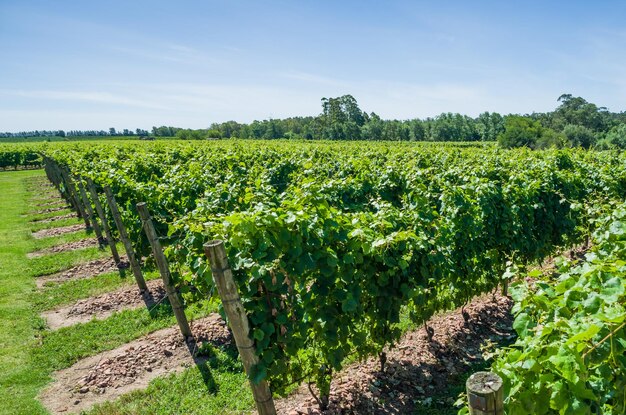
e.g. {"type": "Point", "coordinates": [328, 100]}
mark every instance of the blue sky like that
{"type": "Point", "coordinates": [128, 64]}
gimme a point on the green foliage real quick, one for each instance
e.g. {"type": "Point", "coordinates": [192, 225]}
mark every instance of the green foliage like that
{"type": "Point", "coordinates": [551, 139]}
{"type": "Point", "coordinates": [17, 155]}
{"type": "Point", "coordinates": [570, 354]}
{"type": "Point", "coordinates": [579, 136]}
{"type": "Point", "coordinates": [616, 138]}
{"type": "Point", "coordinates": [329, 242]}
{"type": "Point", "coordinates": [188, 134]}
{"type": "Point", "coordinates": [520, 132]}
{"type": "Point", "coordinates": [577, 111]}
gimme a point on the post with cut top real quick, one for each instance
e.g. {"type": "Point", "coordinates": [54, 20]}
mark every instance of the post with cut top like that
{"type": "Point", "coordinates": [90, 213]}
{"type": "Point", "coordinates": [65, 191]}
{"type": "Point", "coordinates": [485, 394]}
{"type": "Point", "coordinates": [103, 220]}
{"type": "Point", "coordinates": [130, 253]}
{"type": "Point", "coordinates": [238, 322]}
{"type": "Point", "coordinates": [164, 270]}
{"type": "Point", "coordinates": [79, 204]}
{"type": "Point", "coordinates": [73, 197]}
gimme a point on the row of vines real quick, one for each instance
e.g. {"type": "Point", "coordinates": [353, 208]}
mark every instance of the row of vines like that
{"type": "Point", "coordinates": [331, 243]}
{"type": "Point", "coordinates": [15, 156]}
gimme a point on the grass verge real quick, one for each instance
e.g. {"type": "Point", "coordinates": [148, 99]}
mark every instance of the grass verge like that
{"type": "Point", "coordinates": [29, 353]}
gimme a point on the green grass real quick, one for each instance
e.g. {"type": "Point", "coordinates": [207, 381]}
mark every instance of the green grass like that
{"type": "Point", "coordinates": [29, 353]}
{"type": "Point", "coordinates": [37, 226]}
{"type": "Point", "coordinates": [47, 215]}
{"type": "Point", "coordinates": [50, 264]}
{"type": "Point", "coordinates": [64, 347]}
{"type": "Point", "coordinates": [215, 387]}
{"type": "Point", "coordinates": [20, 380]}
{"type": "Point", "coordinates": [51, 241]}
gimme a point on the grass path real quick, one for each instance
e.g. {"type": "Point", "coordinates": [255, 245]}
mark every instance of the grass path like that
{"type": "Point", "coordinates": [19, 381]}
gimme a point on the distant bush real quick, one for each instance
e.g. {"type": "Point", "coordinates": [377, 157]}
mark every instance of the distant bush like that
{"type": "Point", "coordinates": [520, 132]}
{"type": "Point", "coordinates": [615, 138]}
{"type": "Point", "coordinates": [579, 136]}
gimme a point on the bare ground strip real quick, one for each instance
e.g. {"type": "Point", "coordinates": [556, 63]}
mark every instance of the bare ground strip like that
{"type": "Point", "coordinates": [109, 375]}
{"type": "Point", "coordinates": [103, 306]}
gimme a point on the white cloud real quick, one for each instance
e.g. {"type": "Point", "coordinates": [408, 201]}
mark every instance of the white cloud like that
{"type": "Point", "coordinates": [84, 96]}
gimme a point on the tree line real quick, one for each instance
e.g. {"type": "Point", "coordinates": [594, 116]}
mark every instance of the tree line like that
{"type": "Point", "coordinates": [111, 132]}
{"type": "Point", "coordinates": [575, 122]}
{"type": "Point", "coordinates": [342, 119]}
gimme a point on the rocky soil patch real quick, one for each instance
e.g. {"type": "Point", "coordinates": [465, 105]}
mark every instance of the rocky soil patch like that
{"type": "Point", "coordinates": [86, 270]}
{"type": "Point", "coordinates": [55, 218]}
{"type": "Point", "coordinates": [70, 246]}
{"type": "Point", "coordinates": [49, 210]}
{"type": "Point", "coordinates": [104, 305]}
{"type": "Point", "coordinates": [54, 202]}
{"type": "Point", "coordinates": [45, 233]}
{"type": "Point", "coordinates": [418, 369]}
{"type": "Point", "coordinates": [108, 375]}
{"type": "Point", "coordinates": [45, 196]}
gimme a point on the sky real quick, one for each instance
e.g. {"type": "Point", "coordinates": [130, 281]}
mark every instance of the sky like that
{"type": "Point", "coordinates": [128, 64]}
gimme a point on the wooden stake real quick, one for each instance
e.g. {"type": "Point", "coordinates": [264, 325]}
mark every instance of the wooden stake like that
{"type": "Point", "coordinates": [79, 203]}
{"type": "Point", "coordinates": [485, 394]}
{"type": "Point", "coordinates": [103, 220]}
{"type": "Point", "coordinates": [130, 253]}
{"type": "Point", "coordinates": [67, 193]}
{"type": "Point", "coordinates": [164, 270]}
{"type": "Point", "coordinates": [90, 214]}
{"type": "Point", "coordinates": [238, 322]}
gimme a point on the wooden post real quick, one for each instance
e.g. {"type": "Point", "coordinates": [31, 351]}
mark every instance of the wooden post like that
{"type": "Point", "coordinates": [79, 204]}
{"type": "Point", "coordinates": [55, 176]}
{"type": "Point", "coordinates": [67, 192]}
{"type": "Point", "coordinates": [238, 322]}
{"type": "Point", "coordinates": [130, 253]}
{"type": "Point", "coordinates": [103, 220]}
{"type": "Point", "coordinates": [485, 394]}
{"type": "Point", "coordinates": [90, 213]}
{"type": "Point", "coordinates": [164, 270]}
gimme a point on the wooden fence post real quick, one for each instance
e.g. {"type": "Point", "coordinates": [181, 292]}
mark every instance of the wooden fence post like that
{"type": "Point", "coordinates": [90, 213]}
{"type": "Point", "coordinates": [238, 322]}
{"type": "Point", "coordinates": [485, 394]}
{"type": "Point", "coordinates": [70, 195]}
{"type": "Point", "coordinates": [130, 253]}
{"type": "Point", "coordinates": [79, 203]}
{"type": "Point", "coordinates": [164, 270]}
{"type": "Point", "coordinates": [103, 220]}
{"type": "Point", "coordinates": [53, 172]}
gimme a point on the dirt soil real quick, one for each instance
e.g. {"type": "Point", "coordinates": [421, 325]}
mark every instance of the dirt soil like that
{"type": "Point", "coordinates": [49, 210]}
{"type": "Point", "coordinates": [45, 233]}
{"type": "Point", "coordinates": [86, 270]}
{"type": "Point", "coordinates": [45, 196]}
{"type": "Point", "coordinates": [53, 202]}
{"type": "Point", "coordinates": [108, 375]}
{"type": "Point", "coordinates": [56, 218]}
{"type": "Point", "coordinates": [417, 369]}
{"type": "Point", "coordinates": [104, 305]}
{"type": "Point", "coordinates": [70, 246]}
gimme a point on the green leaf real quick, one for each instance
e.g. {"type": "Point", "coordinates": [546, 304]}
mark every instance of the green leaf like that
{"type": "Point", "coordinates": [258, 334]}
{"type": "Point", "coordinates": [523, 324]}
{"type": "Point", "coordinates": [585, 335]}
